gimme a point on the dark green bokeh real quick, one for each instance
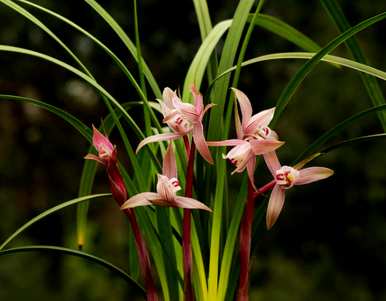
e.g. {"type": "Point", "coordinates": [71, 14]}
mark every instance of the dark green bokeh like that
{"type": "Point", "coordinates": [330, 241]}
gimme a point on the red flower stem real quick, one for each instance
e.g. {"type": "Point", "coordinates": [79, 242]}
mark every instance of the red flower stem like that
{"type": "Point", "coordinates": [187, 146]}
{"type": "Point", "coordinates": [120, 195]}
{"type": "Point", "coordinates": [246, 237]}
{"type": "Point", "coordinates": [187, 225]}
{"type": "Point", "coordinates": [144, 258]}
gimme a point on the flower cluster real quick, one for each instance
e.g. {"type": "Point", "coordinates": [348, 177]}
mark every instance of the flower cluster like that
{"type": "Point", "coordinates": [254, 138]}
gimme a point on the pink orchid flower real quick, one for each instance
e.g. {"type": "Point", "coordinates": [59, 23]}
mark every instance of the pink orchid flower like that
{"type": "Point", "coordinates": [107, 152]}
{"type": "Point", "coordinates": [167, 188]}
{"type": "Point", "coordinates": [286, 177]}
{"type": "Point", "coordinates": [107, 155]}
{"type": "Point", "coordinates": [183, 118]}
{"type": "Point", "coordinates": [254, 137]}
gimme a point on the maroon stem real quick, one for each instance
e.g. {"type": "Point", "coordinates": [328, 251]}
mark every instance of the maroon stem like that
{"type": "Point", "coordinates": [187, 225]}
{"type": "Point", "coordinates": [144, 258]}
{"type": "Point", "coordinates": [119, 192]}
{"type": "Point", "coordinates": [246, 237]}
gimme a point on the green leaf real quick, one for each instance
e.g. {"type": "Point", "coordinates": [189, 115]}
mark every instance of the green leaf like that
{"type": "Point", "coordinates": [114, 57]}
{"type": "Point", "coordinates": [315, 146]}
{"type": "Point", "coordinates": [374, 91]}
{"type": "Point", "coordinates": [286, 31]}
{"type": "Point", "coordinates": [298, 78]}
{"type": "Point", "coordinates": [65, 251]}
{"type": "Point", "coordinates": [337, 60]}
{"type": "Point", "coordinates": [72, 120]}
{"type": "Point", "coordinates": [48, 212]}
{"type": "Point", "coordinates": [348, 142]}
{"type": "Point", "coordinates": [197, 68]}
{"type": "Point", "coordinates": [127, 42]}
{"type": "Point", "coordinates": [216, 126]}
{"type": "Point", "coordinates": [230, 244]}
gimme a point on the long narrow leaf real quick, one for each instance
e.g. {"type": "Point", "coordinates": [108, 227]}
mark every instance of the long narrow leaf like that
{"type": "Point", "coordinates": [352, 141]}
{"type": "Point", "coordinates": [72, 120]}
{"type": "Point", "coordinates": [47, 213]}
{"type": "Point", "coordinates": [65, 251]}
{"type": "Point", "coordinates": [301, 74]}
{"type": "Point", "coordinates": [315, 146]}
{"type": "Point", "coordinates": [374, 91]}
{"type": "Point", "coordinates": [308, 55]}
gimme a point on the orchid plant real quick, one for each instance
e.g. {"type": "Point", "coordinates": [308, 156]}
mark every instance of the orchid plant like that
{"type": "Point", "coordinates": [187, 246]}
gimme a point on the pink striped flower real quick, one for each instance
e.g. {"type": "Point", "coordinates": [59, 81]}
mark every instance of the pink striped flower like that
{"type": "Point", "coordinates": [107, 152]}
{"type": "Point", "coordinates": [107, 155]}
{"type": "Point", "coordinates": [254, 137]}
{"type": "Point", "coordinates": [285, 178]}
{"type": "Point", "coordinates": [183, 119]}
{"type": "Point", "coordinates": [167, 188]}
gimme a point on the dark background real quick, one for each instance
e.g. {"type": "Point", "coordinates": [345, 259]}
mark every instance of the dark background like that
{"type": "Point", "coordinates": [330, 241]}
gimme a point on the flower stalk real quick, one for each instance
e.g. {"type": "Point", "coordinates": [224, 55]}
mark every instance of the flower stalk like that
{"type": "Point", "coordinates": [246, 237]}
{"type": "Point", "coordinates": [187, 225]}
{"type": "Point", "coordinates": [107, 156]}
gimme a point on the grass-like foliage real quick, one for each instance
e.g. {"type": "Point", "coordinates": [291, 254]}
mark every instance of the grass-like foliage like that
{"type": "Point", "coordinates": [182, 150]}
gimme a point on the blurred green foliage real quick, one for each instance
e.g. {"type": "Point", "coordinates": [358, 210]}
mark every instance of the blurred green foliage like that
{"type": "Point", "coordinates": [330, 241]}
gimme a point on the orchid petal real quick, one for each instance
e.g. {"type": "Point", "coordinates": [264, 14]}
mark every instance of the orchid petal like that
{"type": "Point", "coordinates": [275, 205]}
{"type": "Point", "coordinates": [239, 128]}
{"type": "Point", "coordinates": [101, 142]}
{"type": "Point", "coordinates": [251, 166]}
{"type": "Point", "coordinates": [198, 100]}
{"type": "Point", "coordinates": [169, 168]}
{"type": "Point", "coordinates": [157, 138]}
{"type": "Point", "coordinates": [199, 141]}
{"type": "Point", "coordinates": [272, 162]}
{"type": "Point", "coordinates": [169, 115]}
{"type": "Point", "coordinates": [245, 106]}
{"type": "Point", "coordinates": [207, 107]}
{"type": "Point", "coordinates": [141, 199]}
{"type": "Point", "coordinates": [312, 174]}
{"type": "Point", "coordinates": [164, 188]}
{"type": "Point", "coordinates": [261, 119]}
{"type": "Point", "coordinates": [260, 147]}
{"type": "Point", "coordinates": [229, 142]}
{"type": "Point", "coordinates": [167, 96]}
{"type": "Point", "coordinates": [94, 157]}
{"type": "Point", "coordinates": [189, 203]}
{"type": "Point", "coordinates": [186, 109]}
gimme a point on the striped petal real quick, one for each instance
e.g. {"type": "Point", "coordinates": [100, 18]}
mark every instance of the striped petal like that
{"type": "Point", "coordinates": [167, 96]}
{"type": "Point", "coordinates": [198, 100]}
{"type": "Point", "coordinates": [101, 143]}
{"type": "Point", "coordinates": [259, 120]}
{"type": "Point", "coordinates": [169, 168]}
{"type": "Point", "coordinates": [157, 138]}
{"type": "Point", "coordinates": [245, 106]}
{"type": "Point", "coordinates": [312, 174]}
{"type": "Point", "coordinates": [94, 157]}
{"type": "Point", "coordinates": [260, 147]}
{"type": "Point", "coordinates": [229, 142]}
{"type": "Point", "coordinates": [251, 166]}
{"type": "Point", "coordinates": [189, 203]}
{"type": "Point", "coordinates": [141, 199]}
{"type": "Point", "coordinates": [275, 205]}
{"type": "Point", "coordinates": [199, 141]}
{"type": "Point", "coordinates": [272, 162]}
{"type": "Point", "coordinates": [186, 109]}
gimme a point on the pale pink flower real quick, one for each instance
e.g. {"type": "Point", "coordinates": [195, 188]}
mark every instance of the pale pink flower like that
{"type": "Point", "coordinates": [167, 188]}
{"type": "Point", "coordinates": [254, 137]}
{"type": "Point", "coordinates": [183, 119]}
{"type": "Point", "coordinates": [286, 177]}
